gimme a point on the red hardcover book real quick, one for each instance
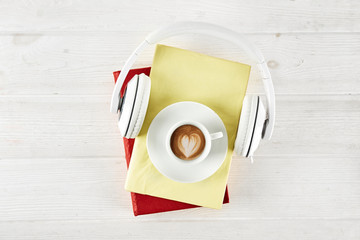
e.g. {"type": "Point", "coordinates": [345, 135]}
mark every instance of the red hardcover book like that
{"type": "Point", "coordinates": [146, 204]}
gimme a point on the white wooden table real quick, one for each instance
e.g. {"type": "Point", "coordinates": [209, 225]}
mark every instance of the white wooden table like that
{"type": "Point", "coordinates": [62, 167]}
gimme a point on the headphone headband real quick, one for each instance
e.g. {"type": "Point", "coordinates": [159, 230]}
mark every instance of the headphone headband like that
{"type": "Point", "coordinates": [211, 30]}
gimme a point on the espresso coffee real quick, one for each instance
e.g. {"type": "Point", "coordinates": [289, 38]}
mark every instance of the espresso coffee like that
{"type": "Point", "coordinates": [187, 142]}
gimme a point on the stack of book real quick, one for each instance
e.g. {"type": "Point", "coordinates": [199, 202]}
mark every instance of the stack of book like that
{"type": "Point", "coordinates": [226, 82]}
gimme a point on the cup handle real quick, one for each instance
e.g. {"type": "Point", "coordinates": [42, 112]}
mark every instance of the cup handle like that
{"type": "Point", "coordinates": [216, 135]}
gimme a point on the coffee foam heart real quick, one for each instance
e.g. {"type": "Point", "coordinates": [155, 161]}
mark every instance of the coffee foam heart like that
{"type": "Point", "coordinates": [188, 145]}
{"type": "Point", "coordinates": [187, 142]}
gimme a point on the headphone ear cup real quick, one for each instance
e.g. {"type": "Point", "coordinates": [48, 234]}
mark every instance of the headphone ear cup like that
{"type": "Point", "coordinates": [143, 102]}
{"type": "Point", "coordinates": [135, 104]}
{"type": "Point", "coordinates": [243, 125]}
{"type": "Point", "coordinates": [251, 123]}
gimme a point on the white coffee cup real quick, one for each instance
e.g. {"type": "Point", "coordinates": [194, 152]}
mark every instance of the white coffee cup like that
{"type": "Point", "coordinates": [209, 137]}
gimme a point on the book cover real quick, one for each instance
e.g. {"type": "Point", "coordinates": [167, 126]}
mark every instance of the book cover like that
{"type": "Point", "coordinates": [179, 75]}
{"type": "Point", "coordinates": [146, 204]}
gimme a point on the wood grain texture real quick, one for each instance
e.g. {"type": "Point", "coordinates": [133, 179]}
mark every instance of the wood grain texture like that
{"type": "Point", "coordinates": [206, 229]}
{"type": "Point", "coordinates": [62, 166]}
{"type": "Point", "coordinates": [91, 189]}
{"type": "Point", "coordinates": [81, 126]}
{"type": "Point", "coordinates": [299, 63]}
{"type": "Point", "coordinates": [132, 16]}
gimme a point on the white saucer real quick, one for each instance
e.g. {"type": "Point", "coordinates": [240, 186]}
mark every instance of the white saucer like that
{"type": "Point", "coordinates": [186, 171]}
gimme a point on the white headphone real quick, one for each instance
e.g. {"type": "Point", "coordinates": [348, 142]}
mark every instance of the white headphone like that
{"type": "Point", "coordinates": [256, 122]}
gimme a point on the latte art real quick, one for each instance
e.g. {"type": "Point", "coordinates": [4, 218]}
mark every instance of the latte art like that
{"type": "Point", "coordinates": [187, 142]}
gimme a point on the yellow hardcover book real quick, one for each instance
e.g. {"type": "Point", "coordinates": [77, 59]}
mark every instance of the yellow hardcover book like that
{"type": "Point", "coordinates": [181, 75]}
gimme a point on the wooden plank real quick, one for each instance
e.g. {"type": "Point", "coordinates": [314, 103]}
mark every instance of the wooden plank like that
{"type": "Point", "coordinates": [208, 229]}
{"type": "Point", "coordinates": [43, 126]}
{"type": "Point", "coordinates": [52, 65]}
{"type": "Point", "coordinates": [81, 126]}
{"type": "Point", "coordinates": [251, 16]}
{"type": "Point", "coordinates": [91, 189]}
